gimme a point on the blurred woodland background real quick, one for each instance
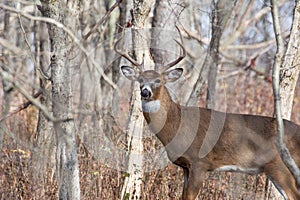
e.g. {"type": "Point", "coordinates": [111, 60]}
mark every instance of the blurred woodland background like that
{"type": "Point", "coordinates": [66, 112]}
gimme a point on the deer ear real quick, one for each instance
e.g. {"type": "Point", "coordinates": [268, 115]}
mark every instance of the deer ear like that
{"type": "Point", "coordinates": [172, 75]}
{"type": "Point", "coordinates": [130, 73]}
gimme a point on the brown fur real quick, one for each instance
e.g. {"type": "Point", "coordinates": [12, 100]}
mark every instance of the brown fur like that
{"type": "Point", "coordinates": [201, 140]}
{"type": "Point", "coordinates": [247, 141]}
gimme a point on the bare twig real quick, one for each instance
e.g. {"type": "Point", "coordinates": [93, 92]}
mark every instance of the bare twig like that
{"type": "Point", "coordinates": [24, 105]}
{"type": "Point", "coordinates": [21, 107]}
{"type": "Point", "coordinates": [201, 41]}
{"type": "Point", "coordinates": [258, 45]}
{"type": "Point", "coordinates": [41, 73]}
{"type": "Point", "coordinates": [243, 26]}
{"type": "Point", "coordinates": [14, 49]}
{"type": "Point", "coordinates": [102, 20]}
{"type": "Point", "coordinates": [283, 150]}
{"type": "Point", "coordinates": [68, 31]}
{"type": "Point", "coordinates": [249, 64]}
{"type": "Point", "coordinates": [8, 77]}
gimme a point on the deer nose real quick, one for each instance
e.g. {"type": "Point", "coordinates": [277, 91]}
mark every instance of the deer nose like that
{"type": "Point", "coordinates": [146, 93]}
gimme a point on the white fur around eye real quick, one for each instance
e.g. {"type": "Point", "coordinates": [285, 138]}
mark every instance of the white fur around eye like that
{"type": "Point", "coordinates": [150, 106]}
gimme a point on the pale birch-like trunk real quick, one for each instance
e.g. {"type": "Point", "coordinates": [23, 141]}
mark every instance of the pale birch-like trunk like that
{"type": "Point", "coordinates": [290, 67]}
{"type": "Point", "coordinates": [133, 182]}
{"type": "Point", "coordinates": [278, 65]}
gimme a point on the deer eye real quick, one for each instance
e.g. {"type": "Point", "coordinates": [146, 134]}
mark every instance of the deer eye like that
{"type": "Point", "coordinates": [140, 80]}
{"type": "Point", "coordinates": [157, 81]}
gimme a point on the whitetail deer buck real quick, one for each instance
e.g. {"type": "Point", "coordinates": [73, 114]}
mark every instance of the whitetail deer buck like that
{"type": "Point", "coordinates": [200, 140]}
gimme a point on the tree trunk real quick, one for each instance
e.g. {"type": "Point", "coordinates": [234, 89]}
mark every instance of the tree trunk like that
{"type": "Point", "coordinates": [66, 154]}
{"type": "Point", "coordinates": [281, 146]}
{"type": "Point", "coordinates": [221, 12]}
{"type": "Point", "coordinates": [133, 182]}
{"type": "Point", "coordinates": [290, 69]}
{"type": "Point", "coordinates": [44, 140]}
{"type": "Point", "coordinates": [7, 87]}
{"type": "Point", "coordinates": [163, 32]}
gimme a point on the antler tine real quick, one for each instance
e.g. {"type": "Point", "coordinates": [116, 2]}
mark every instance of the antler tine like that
{"type": "Point", "coordinates": [182, 55]}
{"type": "Point", "coordinates": [126, 55]}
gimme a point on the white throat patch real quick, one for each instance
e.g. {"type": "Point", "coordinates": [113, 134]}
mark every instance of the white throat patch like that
{"type": "Point", "coordinates": [150, 106]}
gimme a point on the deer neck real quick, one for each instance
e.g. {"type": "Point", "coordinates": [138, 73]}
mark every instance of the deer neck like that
{"type": "Point", "coordinates": [160, 115]}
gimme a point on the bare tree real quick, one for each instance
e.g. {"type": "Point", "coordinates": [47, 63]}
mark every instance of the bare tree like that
{"type": "Point", "coordinates": [165, 17]}
{"type": "Point", "coordinates": [289, 72]}
{"type": "Point", "coordinates": [44, 140]}
{"type": "Point", "coordinates": [221, 12]}
{"type": "Point", "coordinates": [280, 143]}
{"type": "Point", "coordinates": [30, 93]}
{"type": "Point", "coordinates": [62, 105]}
{"type": "Point", "coordinates": [133, 182]}
{"type": "Point", "coordinates": [7, 88]}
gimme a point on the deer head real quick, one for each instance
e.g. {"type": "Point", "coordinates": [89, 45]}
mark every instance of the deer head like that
{"type": "Point", "coordinates": [151, 82]}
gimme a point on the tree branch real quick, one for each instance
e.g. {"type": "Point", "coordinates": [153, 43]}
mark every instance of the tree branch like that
{"type": "Point", "coordinates": [22, 107]}
{"type": "Point", "coordinates": [68, 31]}
{"type": "Point", "coordinates": [245, 24]}
{"type": "Point", "coordinates": [11, 47]}
{"type": "Point", "coordinates": [8, 77]}
{"type": "Point", "coordinates": [281, 147]}
{"type": "Point", "coordinates": [102, 20]}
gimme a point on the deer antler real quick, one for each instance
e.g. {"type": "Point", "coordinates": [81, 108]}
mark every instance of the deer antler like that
{"type": "Point", "coordinates": [182, 55]}
{"type": "Point", "coordinates": [139, 65]}
{"type": "Point", "coordinates": [126, 55]}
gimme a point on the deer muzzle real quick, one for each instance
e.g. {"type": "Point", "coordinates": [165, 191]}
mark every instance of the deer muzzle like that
{"type": "Point", "coordinates": [146, 93]}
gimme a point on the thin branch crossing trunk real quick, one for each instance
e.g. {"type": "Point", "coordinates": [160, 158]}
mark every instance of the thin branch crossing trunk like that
{"type": "Point", "coordinates": [66, 153]}
{"type": "Point", "coordinates": [281, 146]}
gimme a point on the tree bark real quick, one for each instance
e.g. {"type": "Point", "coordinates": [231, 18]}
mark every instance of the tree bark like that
{"type": "Point", "coordinates": [221, 12]}
{"type": "Point", "coordinates": [44, 156]}
{"type": "Point", "coordinates": [289, 72]}
{"type": "Point", "coordinates": [163, 32]}
{"type": "Point", "coordinates": [66, 153]}
{"type": "Point", "coordinates": [281, 146]}
{"type": "Point", "coordinates": [133, 182]}
{"type": "Point", "coordinates": [140, 12]}
{"type": "Point", "coordinates": [7, 87]}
